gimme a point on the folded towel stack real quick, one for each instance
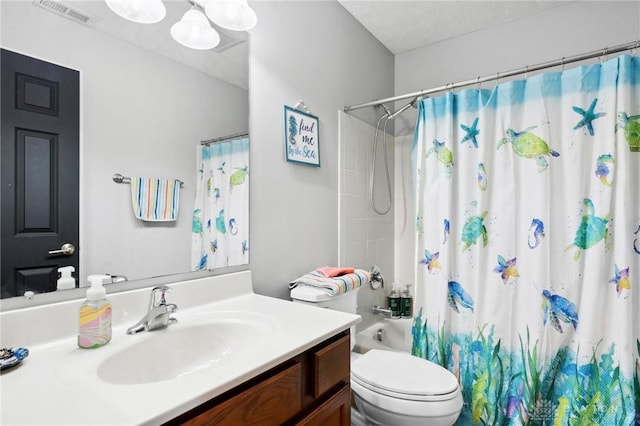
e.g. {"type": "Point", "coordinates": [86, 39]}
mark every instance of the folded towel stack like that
{"type": "Point", "coordinates": [334, 280]}
{"type": "Point", "coordinates": [155, 200]}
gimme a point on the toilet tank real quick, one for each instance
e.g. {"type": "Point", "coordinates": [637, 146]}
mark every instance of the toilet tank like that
{"type": "Point", "coordinates": [346, 302]}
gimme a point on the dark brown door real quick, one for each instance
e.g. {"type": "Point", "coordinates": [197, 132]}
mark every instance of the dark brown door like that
{"type": "Point", "coordinates": [40, 168]}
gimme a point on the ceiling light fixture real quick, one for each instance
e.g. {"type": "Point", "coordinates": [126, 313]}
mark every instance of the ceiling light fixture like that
{"type": "Point", "coordinates": [194, 31]}
{"type": "Point", "coordinates": [140, 11]}
{"type": "Point", "coordinates": [235, 15]}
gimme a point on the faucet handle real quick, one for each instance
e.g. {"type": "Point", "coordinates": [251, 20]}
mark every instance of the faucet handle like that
{"type": "Point", "coordinates": [158, 296]}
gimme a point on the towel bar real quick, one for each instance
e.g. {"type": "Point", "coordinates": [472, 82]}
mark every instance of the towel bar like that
{"type": "Point", "coordinates": [118, 178]}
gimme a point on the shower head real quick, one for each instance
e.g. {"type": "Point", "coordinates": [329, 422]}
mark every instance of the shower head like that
{"type": "Point", "coordinates": [414, 102]}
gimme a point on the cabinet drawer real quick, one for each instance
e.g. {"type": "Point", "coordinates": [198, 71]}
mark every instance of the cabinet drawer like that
{"type": "Point", "coordinates": [331, 365]}
{"type": "Point", "coordinates": [270, 402]}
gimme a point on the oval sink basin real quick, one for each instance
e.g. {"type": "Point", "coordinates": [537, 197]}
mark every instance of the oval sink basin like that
{"type": "Point", "coordinates": [182, 349]}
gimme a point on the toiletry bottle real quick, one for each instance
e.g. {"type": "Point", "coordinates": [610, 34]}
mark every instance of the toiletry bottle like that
{"type": "Point", "coordinates": [66, 281]}
{"type": "Point", "coordinates": [95, 316]}
{"type": "Point", "coordinates": [394, 303]}
{"type": "Point", "coordinates": [406, 303]}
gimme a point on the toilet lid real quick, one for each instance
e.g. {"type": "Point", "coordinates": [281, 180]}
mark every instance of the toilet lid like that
{"type": "Point", "coordinates": [402, 373]}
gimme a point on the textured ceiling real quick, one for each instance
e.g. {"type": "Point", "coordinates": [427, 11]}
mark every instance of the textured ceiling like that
{"type": "Point", "coordinates": [406, 25]}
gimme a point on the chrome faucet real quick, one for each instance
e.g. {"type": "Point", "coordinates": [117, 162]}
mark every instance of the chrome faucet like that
{"type": "Point", "coordinates": [159, 313]}
{"type": "Point", "coordinates": [379, 310]}
{"type": "Point", "coordinates": [117, 278]}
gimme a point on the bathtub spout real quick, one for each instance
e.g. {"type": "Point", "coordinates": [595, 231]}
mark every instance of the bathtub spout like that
{"type": "Point", "coordinates": [379, 310]}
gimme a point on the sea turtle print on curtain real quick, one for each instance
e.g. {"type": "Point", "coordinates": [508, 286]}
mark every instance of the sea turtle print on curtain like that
{"type": "Point", "coordinates": [535, 306]}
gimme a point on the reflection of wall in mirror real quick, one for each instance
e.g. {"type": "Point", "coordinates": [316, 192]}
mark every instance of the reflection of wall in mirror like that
{"type": "Point", "coordinates": [141, 114]}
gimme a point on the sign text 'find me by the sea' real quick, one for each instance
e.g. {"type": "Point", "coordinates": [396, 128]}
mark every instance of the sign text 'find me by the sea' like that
{"type": "Point", "coordinates": [302, 143]}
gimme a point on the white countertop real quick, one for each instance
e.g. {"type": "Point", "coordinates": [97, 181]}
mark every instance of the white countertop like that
{"type": "Point", "coordinates": [58, 384]}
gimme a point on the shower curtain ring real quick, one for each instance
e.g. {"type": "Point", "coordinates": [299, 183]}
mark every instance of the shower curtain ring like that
{"type": "Point", "coordinates": [605, 51]}
{"type": "Point", "coordinates": [526, 72]}
{"type": "Point", "coordinates": [497, 78]}
{"type": "Point", "coordinates": [562, 63]}
{"type": "Point", "coordinates": [479, 83]}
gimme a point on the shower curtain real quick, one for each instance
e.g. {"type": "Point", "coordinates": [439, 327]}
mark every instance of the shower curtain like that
{"type": "Point", "coordinates": [528, 241]}
{"type": "Point", "coordinates": [220, 230]}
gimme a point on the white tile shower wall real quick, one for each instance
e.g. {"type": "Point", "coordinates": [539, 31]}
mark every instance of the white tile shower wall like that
{"type": "Point", "coordinates": [404, 217]}
{"type": "Point", "coordinates": [366, 238]}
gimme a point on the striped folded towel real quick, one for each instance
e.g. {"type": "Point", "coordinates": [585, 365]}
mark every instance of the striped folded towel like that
{"type": "Point", "coordinates": [335, 285]}
{"type": "Point", "coordinates": [155, 200]}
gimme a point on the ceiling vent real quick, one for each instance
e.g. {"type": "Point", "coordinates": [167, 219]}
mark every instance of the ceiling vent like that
{"type": "Point", "coordinates": [62, 9]}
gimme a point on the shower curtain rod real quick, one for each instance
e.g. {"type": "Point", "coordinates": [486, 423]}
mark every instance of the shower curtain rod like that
{"type": "Point", "coordinates": [450, 86]}
{"type": "Point", "coordinates": [224, 138]}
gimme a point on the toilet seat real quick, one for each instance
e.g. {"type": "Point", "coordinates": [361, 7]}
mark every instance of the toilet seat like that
{"type": "Point", "coordinates": [403, 376]}
{"type": "Point", "coordinates": [398, 388]}
{"type": "Point", "coordinates": [424, 412]}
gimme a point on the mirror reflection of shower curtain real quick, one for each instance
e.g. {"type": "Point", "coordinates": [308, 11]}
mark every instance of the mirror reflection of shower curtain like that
{"type": "Point", "coordinates": [528, 212]}
{"type": "Point", "coordinates": [220, 230]}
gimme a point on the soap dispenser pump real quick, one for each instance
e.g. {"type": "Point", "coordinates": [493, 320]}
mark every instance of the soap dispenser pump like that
{"type": "Point", "coordinates": [394, 302]}
{"type": "Point", "coordinates": [95, 315]}
{"type": "Point", "coordinates": [66, 281]}
{"type": "Point", "coordinates": [406, 302]}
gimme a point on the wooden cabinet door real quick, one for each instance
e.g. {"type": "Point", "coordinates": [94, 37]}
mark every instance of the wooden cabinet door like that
{"type": "Point", "coordinates": [336, 411]}
{"type": "Point", "coordinates": [331, 365]}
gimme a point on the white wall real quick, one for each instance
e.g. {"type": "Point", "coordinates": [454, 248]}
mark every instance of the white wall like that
{"type": "Point", "coordinates": [315, 51]}
{"type": "Point", "coordinates": [141, 114]}
{"type": "Point", "coordinates": [568, 30]}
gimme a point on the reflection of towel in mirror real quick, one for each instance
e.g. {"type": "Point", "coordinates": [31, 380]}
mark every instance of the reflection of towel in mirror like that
{"type": "Point", "coordinates": [334, 286]}
{"type": "Point", "coordinates": [155, 200]}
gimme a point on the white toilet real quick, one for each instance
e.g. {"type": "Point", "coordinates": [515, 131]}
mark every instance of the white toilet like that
{"type": "Point", "coordinates": [392, 388]}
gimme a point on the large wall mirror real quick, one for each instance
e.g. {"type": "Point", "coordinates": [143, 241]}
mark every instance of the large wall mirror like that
{"type": "Point", "coordinates": [146, 102]}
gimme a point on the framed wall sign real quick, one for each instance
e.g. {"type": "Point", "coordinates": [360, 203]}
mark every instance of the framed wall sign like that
{"type": "Point", "coordinates": [301, 137]}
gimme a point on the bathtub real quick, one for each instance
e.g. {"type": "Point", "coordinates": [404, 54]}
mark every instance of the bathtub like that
{"type": "Point", "coordinates": [389, 334]}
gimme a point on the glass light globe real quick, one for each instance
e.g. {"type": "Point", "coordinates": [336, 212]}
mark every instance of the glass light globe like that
{"type": "Point", "coordinates": [140, 11]}
{"type": "Point", "coordinates": [233, 15]}
{"type": "Point", "coordinates": [194, 31]}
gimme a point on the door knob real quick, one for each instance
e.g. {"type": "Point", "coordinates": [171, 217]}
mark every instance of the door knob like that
{"type": "Point", "coordinates": [67, 249]}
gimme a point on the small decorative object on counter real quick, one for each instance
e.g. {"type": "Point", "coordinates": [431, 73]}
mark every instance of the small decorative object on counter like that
{"type": "Point", "coordinates": [394, 303]}
{"type": "Point", "coordinates": [406, 303]}
{"type": "Point", "coordinates": [12, 356]}
{"type": "Point", "coordinates": [95, 315]}
{"type": "Point", "coordinates": [66, 281]}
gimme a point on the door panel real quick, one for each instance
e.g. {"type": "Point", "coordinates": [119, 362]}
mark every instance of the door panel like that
{"type": "Point", "coordinates": [36, 184]}
{"type": "Point", "coordinates": [40, 172]}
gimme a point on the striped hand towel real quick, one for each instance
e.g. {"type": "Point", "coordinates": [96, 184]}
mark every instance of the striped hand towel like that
{"type": "Point", "coordinates": [155, 200]}
{"type": "Point", "coordinates": [334, 286]}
